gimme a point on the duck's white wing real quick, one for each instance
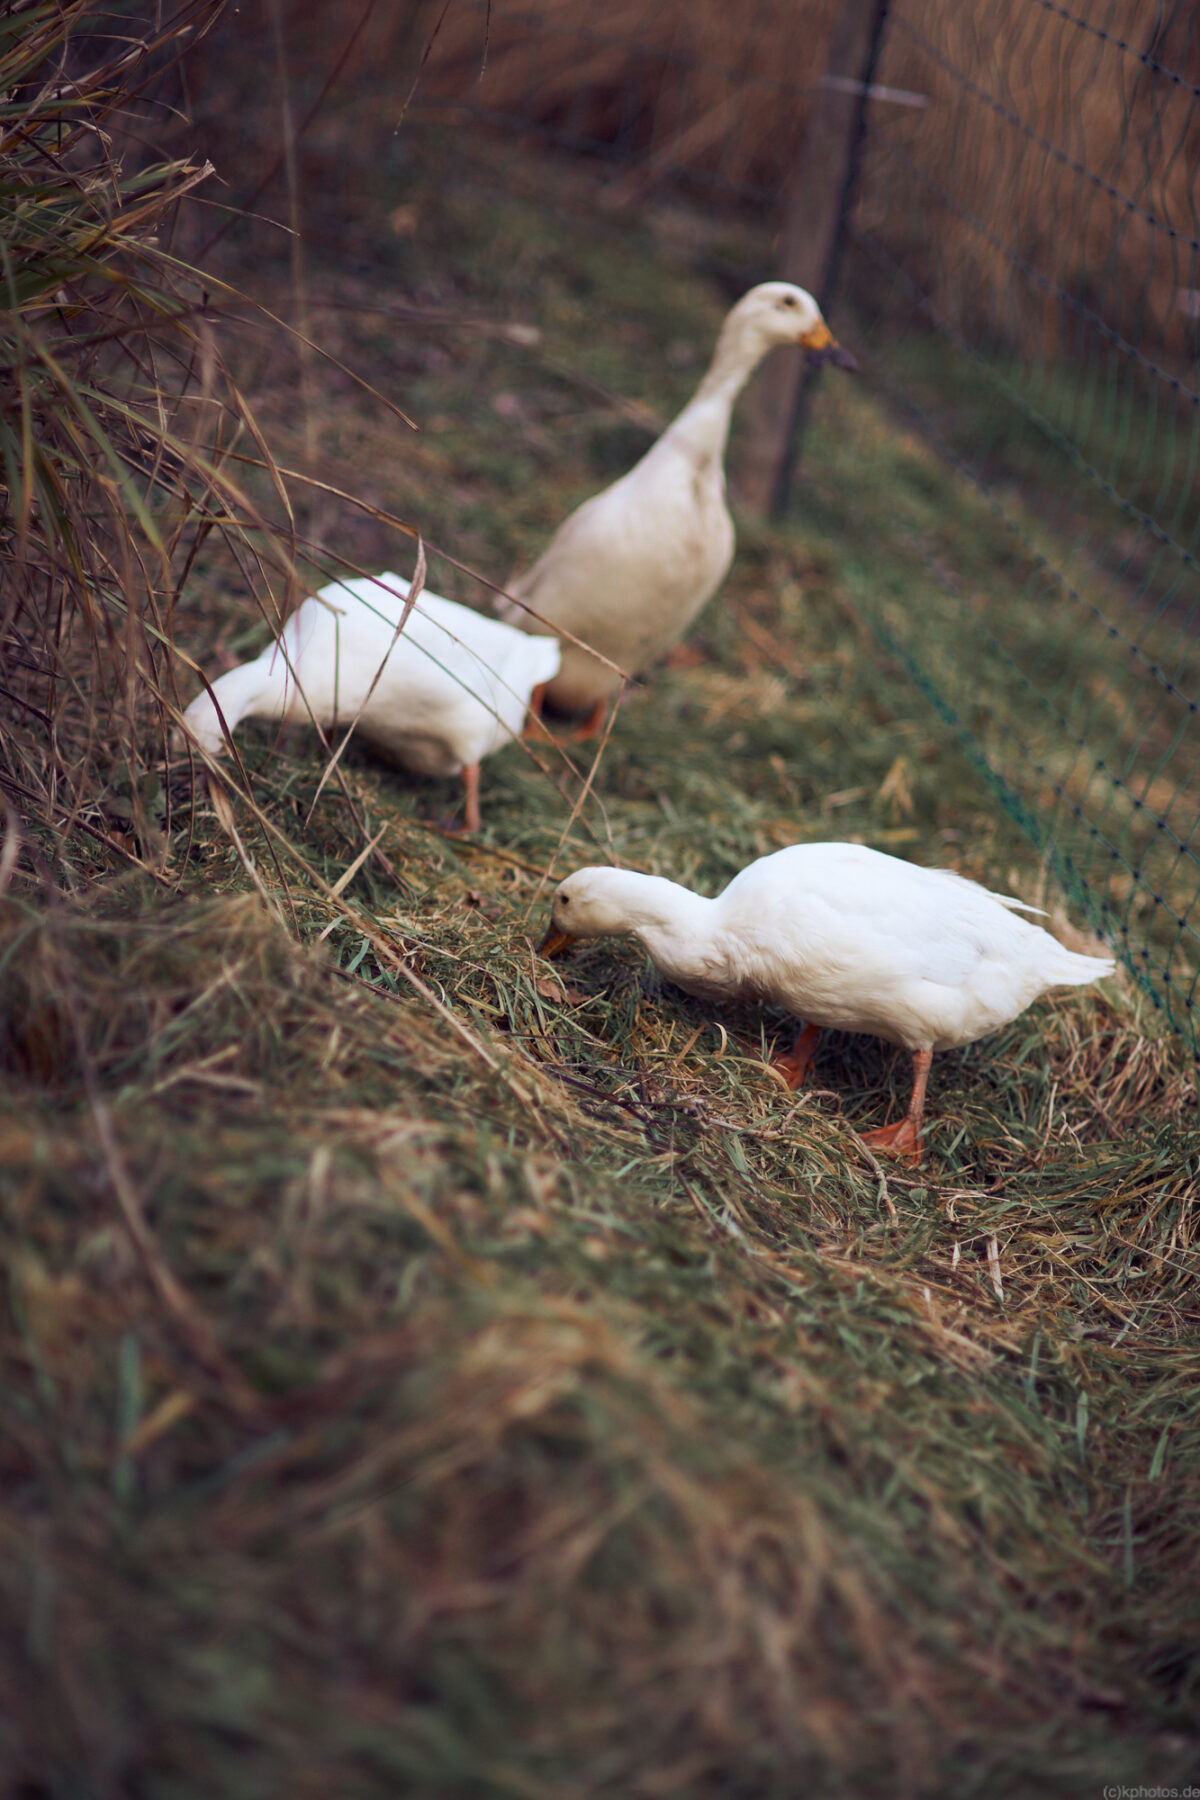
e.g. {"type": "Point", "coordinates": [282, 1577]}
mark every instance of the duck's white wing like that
{"type": "Point", "coordinates": [627, 572]}
{"type": "Point", "coordinates": [846, 936]}
{"type": "Point", "coordinates": [1009, 900]}
{"type": "Point", "coordinates": [572, 581]}
{"type": "Point", "coordinates": [452, 674]}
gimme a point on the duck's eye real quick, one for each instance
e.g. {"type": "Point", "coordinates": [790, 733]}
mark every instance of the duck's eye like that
{"type": "Point", "coordinates": [564, 899]}
{"type": "Point", "coordinates": [788, 300]}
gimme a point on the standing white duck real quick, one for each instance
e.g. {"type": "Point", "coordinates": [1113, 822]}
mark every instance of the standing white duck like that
{"type": "Point", "coordinates": [841, 936]}
{"type": "Point", "coordinates": [450, 689]}
{"type": "Point", "coordinates": [629, 570]}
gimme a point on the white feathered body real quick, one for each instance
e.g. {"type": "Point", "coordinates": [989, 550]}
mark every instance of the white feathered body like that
{"type": "Point", "coordinates": [843, 936]}
{"type": "Point", "coordinates": [454, 685]}
{"type": "Point", "coordinates": [630, 570]}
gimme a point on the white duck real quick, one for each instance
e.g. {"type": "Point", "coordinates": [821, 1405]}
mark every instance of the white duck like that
{"type": "Point", "coordinates": [841, 936]}
{"type": "Point", "coordinates": [629, 570]}
{"type": "Point", "coordinates": [450, 689]}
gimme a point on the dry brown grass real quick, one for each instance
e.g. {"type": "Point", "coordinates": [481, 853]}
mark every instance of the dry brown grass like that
{"type": "Point", "coordinates": [1046, 144]}
{"type": "Point", "coordinates": [1043, 143]}
{"type": "Point", "coordinates": [705, 90]}
{"type": "Point", "coordinates": [115, 420]}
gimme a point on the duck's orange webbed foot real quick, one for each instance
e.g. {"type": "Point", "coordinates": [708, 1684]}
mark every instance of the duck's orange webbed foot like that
{"type": "Point", "coordinates": [536, 726]}
{"type": "Point", "coordinates": [904, 1137]}
{"type": "Point", "coordinates": [795, 1063]}
{"type": "Point", "coordinates": [900, 1139]}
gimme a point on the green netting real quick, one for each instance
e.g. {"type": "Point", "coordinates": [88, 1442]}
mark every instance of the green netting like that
{"type": "Point", "coordinates": [1024, 258]}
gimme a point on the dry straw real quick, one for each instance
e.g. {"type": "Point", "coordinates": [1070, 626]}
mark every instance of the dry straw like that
{"type": "Point", "coordinates": [116, 418]}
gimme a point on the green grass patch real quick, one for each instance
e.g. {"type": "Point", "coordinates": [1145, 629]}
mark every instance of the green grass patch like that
{"type": "Point", "coordinates": [434, 1371]}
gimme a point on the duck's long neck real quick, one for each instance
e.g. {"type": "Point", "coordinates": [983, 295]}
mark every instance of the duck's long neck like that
{"type": "Point", "coordinates": [702, 428]}
{"type": "Point", "coordinates": [256, 690]}
{"type": "Point", "coordinates": [675, 926]}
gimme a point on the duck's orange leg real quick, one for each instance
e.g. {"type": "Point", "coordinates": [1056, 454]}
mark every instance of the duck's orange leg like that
{"type": "Point", "coordinates": [472, 820]}
{"type": "Point", "coordinates": [591, 726]}
{"type": "Point", "coordinates": [904, 1137]}
{"type": "Point", "coordinates": [795, 1063]}
{"type": "Point", "coordinates": [535, 725]}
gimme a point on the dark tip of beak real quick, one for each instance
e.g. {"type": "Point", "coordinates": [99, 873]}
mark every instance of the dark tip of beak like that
{"type": "Point", "coordinates": [836, 354]}
{"type": "Point", "coordinates": [555, 942]}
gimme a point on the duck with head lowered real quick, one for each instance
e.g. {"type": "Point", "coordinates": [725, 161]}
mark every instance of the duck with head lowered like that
{"type": "Point", "coordinates": [433, 686]}
{"type": "Point", "coordinates": [630, 569]}
{"type": "Point", "coordinates": [839, 935]}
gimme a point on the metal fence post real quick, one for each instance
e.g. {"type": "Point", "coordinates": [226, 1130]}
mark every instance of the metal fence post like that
{"type": "Point", "coordinates": [813, 209]}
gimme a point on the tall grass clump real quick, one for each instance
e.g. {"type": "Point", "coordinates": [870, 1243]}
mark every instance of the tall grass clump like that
{"type": "Point", "coordinates": [114, 417]}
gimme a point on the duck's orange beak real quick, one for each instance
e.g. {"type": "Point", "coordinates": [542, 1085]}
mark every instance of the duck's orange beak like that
{"type": "Point", "coordinates": [823, 347]}
{"type": "Point", "coordinates": [555, 942]}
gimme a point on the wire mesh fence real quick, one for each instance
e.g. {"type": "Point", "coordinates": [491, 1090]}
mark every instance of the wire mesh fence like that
{"type": "Point", "coordinates": [1021, 265]}
{"type": "Point", "coordinates": [1024, 250]}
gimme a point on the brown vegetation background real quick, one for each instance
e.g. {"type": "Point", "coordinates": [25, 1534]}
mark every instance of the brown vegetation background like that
{"type": "Point", "coordinates": [1067, 144]}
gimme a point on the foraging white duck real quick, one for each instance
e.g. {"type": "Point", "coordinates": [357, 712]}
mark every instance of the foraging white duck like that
{"type": "Point", "coordinates": [842, 936]}
{"type": "Point", "coordinates": [450, 689]}
{"type": "Point", "coordinates": [629, 570]}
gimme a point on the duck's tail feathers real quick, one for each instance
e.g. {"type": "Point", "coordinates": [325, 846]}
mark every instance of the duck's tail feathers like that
{"type": "Point", "coordinates": [1072, 970]}
{"type": "Point", "coordinates": [545, 658]}
{"type": "Point", "coordinates": [514, 603]}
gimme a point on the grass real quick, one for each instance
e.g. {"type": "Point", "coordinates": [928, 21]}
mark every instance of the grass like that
{"type": "Point", "coordinates": [497, 1386]}
{"type": "Point", "coordinates": [115, 415]}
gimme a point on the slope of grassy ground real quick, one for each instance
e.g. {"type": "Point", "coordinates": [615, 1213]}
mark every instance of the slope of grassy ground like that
{"type": "Point", "coordinates": [433, 1371]}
